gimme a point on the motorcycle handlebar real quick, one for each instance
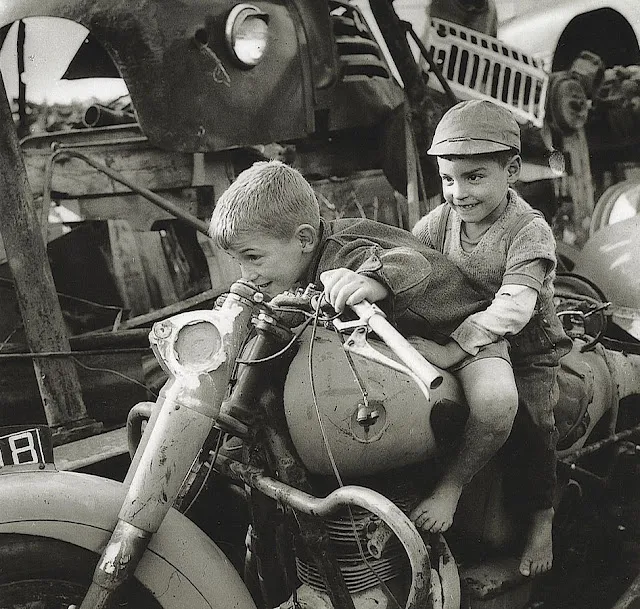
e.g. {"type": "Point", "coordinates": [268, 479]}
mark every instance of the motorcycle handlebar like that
{"type": "Point", "coordinates": [408, 354]}
{"type": "Point", "coordinates": [372, 315]}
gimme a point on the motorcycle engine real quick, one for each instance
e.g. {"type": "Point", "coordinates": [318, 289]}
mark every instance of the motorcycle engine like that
{"type": "Point", "coordinates": [366, 556]}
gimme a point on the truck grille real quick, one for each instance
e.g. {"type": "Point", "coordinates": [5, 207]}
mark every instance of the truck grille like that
{"type": "Point", "coordinates": [358, 52]}
{"type": "Point", "coordinates": [478, 66]}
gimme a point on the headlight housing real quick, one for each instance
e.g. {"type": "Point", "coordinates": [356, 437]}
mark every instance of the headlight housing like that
{"type": "Point", "coordinates": [196, 345]}
{"type": "Point", "coordinates": [190, 343]}
{"type": "Point", "coordinates": [246, 32]}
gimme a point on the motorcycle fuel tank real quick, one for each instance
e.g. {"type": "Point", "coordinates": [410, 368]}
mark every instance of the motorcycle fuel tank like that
{"type": "Point", "coordinates": [390, 429]}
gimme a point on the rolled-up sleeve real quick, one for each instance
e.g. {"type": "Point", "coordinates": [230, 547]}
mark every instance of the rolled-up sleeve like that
{"type": "Point", "coordinates": [508, 313]}
{"type": "Point", "coordinates": [405, 272]}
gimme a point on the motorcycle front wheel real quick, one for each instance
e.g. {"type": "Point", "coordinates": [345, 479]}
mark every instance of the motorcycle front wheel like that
{"type": "Point", "coordinates": [44, 573]}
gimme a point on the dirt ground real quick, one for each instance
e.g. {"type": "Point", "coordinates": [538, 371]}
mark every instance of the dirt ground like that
{"type": "Point", "coordinates": [598, 554]}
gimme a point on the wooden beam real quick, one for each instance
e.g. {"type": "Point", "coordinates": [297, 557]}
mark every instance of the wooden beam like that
{"type": "Point", "coordinates": [89, 451]}
{"type": "Point", "coordinates": [27, 256]}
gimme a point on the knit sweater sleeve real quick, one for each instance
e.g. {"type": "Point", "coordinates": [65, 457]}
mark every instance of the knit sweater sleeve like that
{"type": "Point", "coordinates": [507, 314]}
{"type": "Point", "coordinates": [400, 267]}
{"type": "Point", "coordinates": [533, 243]}
{"type": "Point", "coordinates": [425, 228]}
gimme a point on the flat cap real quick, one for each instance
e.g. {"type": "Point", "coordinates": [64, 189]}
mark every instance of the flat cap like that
{"type": "Point", "coordinates": [476, 126]}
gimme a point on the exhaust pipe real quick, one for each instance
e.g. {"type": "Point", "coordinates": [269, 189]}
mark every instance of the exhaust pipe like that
{"type": "Point", "coordinates": [101, 116]}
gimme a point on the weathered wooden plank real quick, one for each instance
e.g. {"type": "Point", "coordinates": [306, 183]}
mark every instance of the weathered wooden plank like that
{"type": "Point", "coordinates": [128, 269]}
{"type": "Point", "coordinates": [44, 327]}
{"type": "Point", "coordinates": [89, 451]}
{"type": "Point", "coordinates": [161, 289]}
{"type": "Point", "coordinates": [179, 307]}
{"type": "Point", "coordinates": [223, 269]}
{"type": "Point", "coordinates": [145, 166]}
{"type": "Point", "coordinates": [140, 212]}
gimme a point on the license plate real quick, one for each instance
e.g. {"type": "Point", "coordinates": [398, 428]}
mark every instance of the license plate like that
{"type": "Point", "coordinates": [25, 445]}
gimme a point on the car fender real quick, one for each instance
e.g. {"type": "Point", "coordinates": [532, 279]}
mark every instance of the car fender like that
{"type": "Point", "coordinates": [538, 26]}
{"type": "Point", "coordinates": [182, 566]}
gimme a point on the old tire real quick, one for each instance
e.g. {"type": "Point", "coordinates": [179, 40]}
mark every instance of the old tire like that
{"type": "Point", "coordinates": [44, 573]}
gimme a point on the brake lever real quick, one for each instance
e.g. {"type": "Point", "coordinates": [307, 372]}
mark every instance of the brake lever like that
{"type": "Point", "coordinates": [376, 320]}
{"type": "Point", "coordinates": [357, 344]}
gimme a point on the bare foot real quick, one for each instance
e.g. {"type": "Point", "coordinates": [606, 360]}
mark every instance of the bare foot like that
{"type": "Point", "coordinates": [537, 556]}
{"type": "Point", "coordinates": [435, 513]}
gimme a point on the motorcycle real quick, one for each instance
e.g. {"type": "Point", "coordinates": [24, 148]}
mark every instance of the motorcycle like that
{"type": "Point", "coordinates": [299, 440]}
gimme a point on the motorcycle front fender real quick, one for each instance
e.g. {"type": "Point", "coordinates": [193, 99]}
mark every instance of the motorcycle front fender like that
{"type": "Point", "coordinates": [182, 566]}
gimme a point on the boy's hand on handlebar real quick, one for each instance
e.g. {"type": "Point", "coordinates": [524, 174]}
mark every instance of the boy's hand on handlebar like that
{"type": "Point", "coordinates": [345, 287]}
{"type": "Point", "coordinates": [444, 356]}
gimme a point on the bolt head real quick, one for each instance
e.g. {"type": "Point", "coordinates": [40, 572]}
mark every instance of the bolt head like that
{"type": "Point", "coordinates": [162, 329]}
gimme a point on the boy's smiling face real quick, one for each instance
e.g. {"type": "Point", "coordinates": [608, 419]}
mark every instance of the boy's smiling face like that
{"type": "Point", "coordinates": [475, 186]}
{"type": "Point", "coordinates": [274, 264]}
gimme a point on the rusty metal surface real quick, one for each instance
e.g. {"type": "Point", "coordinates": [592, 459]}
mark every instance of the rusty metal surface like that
{"type": "Point", "coordinates": [610, 258]}
{"type": "Point", "coordinates": [191, 95]}
{"type": "Point", "coordinates": [175, 84]}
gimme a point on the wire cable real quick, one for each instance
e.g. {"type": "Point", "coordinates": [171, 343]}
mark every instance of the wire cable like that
{"type": "Point", "coordinates": [332, 460]}
{"type": "Point", "coordinates": [262, 360]}
{"type": "Point", "coordinates": [216, 452]}
{"type": "Point", "coordinates": [120, 374]}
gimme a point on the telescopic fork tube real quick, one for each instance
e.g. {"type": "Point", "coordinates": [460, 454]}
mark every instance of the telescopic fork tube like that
{"type": "Point", "coordinates": [189, 405]}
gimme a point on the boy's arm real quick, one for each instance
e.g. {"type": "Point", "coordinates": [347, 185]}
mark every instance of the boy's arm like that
{"type": "Point", "coordinates": [346, 287]}
{"type": "Point", "coordinates": [403, 271]}
{"type": "Point", "coordinates": [508, 313]}
{"type": "Point", "coordinates": [531, 257]}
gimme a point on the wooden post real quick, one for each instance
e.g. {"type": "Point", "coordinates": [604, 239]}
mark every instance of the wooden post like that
{"type": "Point", "coordinates": [23, 128]}
{"type": "Point", "coordinates": [43, 323]}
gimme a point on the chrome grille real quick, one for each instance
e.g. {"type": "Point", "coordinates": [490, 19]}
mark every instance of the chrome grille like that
{"type": "Point", "coordinates": [478, 66]}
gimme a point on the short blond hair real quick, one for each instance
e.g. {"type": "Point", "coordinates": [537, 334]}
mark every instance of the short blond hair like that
{"type": "Point", "coordinates": [270, 198]}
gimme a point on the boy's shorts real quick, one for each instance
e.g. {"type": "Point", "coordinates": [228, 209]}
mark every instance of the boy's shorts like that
{"type": "Point", "coordinates": [498, 349]}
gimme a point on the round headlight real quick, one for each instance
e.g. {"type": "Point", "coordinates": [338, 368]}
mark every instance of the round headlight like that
{"type": "Point", "coordinates": [246, 33]}
{"type": "Point", "coordinates": [197, 345]}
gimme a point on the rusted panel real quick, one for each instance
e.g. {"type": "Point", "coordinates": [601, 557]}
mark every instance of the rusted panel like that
{"type": "Point", "coordinates": [180, 101]}
{"type": "Point", "coordinates": [39, 306]}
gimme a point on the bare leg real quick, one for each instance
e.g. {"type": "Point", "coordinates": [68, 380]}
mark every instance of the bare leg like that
{"type": "Point", "coordinates": [537, 556]}
{"type": "Point", "coordinates": [491, 393]}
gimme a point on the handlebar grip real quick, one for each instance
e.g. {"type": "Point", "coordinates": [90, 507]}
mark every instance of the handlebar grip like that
{"type": "Point", "coordinates": [407, 353]}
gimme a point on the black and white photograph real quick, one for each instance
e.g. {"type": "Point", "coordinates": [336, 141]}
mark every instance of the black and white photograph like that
{"type": "Point", "coordinates": [254, 259]}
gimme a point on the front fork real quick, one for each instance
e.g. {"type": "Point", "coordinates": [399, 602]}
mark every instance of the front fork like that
{"type": "Point", "coordinates": [188, 408]}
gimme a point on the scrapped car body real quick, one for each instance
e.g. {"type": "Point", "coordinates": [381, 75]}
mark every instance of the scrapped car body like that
{"type": "Point", "coordinates": [557, 31]}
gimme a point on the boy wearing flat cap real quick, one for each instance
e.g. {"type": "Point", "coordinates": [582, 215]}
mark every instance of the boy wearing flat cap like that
{"type": "Point", "coordinates": [506, 248]}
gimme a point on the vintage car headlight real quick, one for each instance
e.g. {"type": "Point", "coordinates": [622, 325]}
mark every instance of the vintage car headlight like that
{"type": "Point", "coordinates": [246, 32]}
